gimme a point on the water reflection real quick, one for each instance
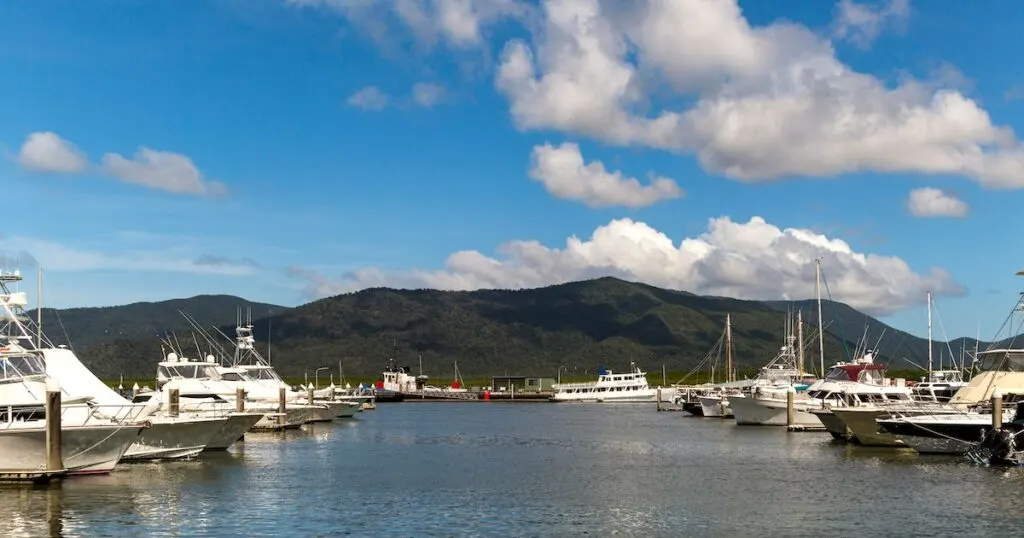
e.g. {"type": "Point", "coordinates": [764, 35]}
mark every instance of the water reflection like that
{"type": "Point", "coordinates": [528, 469]}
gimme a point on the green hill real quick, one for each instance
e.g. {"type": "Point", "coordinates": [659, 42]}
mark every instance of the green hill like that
{"type": "Point", "coordinates": [116, 339]}
{"type": "Point", "coordinates": [577, 327]}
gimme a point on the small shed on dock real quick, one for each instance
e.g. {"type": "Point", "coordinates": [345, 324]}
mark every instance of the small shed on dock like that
{"type": "Point", "coordinates": [540, 384]}
{"type": "Point", "coordinates": [522, 383]}
{"type": "Point", "coordinates": [506, 382]}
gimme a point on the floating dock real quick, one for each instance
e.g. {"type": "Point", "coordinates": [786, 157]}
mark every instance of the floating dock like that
{"type": "Point", "coordinates": [33, 477]}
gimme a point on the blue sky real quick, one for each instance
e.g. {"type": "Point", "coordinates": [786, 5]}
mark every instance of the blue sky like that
{"type": "Point", "coordinates": [284, 150]}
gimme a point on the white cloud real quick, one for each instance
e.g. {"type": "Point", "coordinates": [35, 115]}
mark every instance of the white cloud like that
{"type": "Point", "coordinates": [752, 260]}
{"type": "Point", "coordinates": [54, 256]}
{"type": "Point", "coordinates": [861, 24]}
{"type": "Point", "coordinates": [369, 98]}
{"type": "Point", "coordinates": [564, 174]}
{"type": "Point", "coordinates": [932, 202]}
{"type": "Point", "coordinates": [47, 152]}
{"type": "Point", "coordinates": [427, 95]}
{"type": "Point", "coordinates": [162, 170]}
{"type": "Point", "coordinates": [458, 22]}
{"type": "Point", "coordinates": [767, 102]}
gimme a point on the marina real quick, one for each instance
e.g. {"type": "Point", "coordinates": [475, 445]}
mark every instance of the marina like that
{"type": "Point", "coordinates": [228, 420]}
{"type": "Point", "coordinates": [536, 470]}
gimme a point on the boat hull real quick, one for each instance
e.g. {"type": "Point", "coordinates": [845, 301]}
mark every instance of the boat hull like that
{"type": "Point", "coordinates": [294, 417]}
{"type": "Point", "coordinates": [863, 428]}
{"type": "Point", "coordinates": [714, 406]}
{"type": "Point", "coordinates": [639, 396]}
{"type": "Point", "coordinates": [349, 409]}
{"type": "Point", "coordinates": [84, 449]}
{"type": "Point", "coordinates": [832, 423]}
{"type": "Point", "coordinates": [693, 408]}
{"type": "Point", "coordinates": [932, 437]}
{"type": "Point", "coordinates": [322, 412]}
{"type": "Point", "coordinates": [764, 412]}
{"type": "Point", "coordinates": [174, 439]}
{"type": "Point", "coordinates": [232, 430]}
{"type": "Point", "coordinates": [388, 396]}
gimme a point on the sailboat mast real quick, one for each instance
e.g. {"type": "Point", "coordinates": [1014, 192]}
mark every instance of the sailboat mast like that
{"type": "Point", "coordinates": [39, 310]}
{"type": "Point", "coordinates": [821, 332]}
{"type": "Point", "coordinates": [800, 341]}
{"type": "Point", "coordinates": [729, 375]}
{"type": "Point", "coordinates": [929, 336]}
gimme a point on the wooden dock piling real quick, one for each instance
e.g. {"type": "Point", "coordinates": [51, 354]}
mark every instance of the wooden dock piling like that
{"type": "Point", "coordinates": [997, 410]}
{"type": "Point", "coordinates": [282, 394]}
{"type": "Point", "coordinates": [52, 408]}
{"type": "Point", "coordinates": [173, 402]}
{"type": "Point", "coordinates": [790, 407]}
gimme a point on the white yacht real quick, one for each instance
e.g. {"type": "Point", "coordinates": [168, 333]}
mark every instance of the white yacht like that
{"type": "Point", "coordinates": [90, 444]}
{"type": "Point", "coordinates": [208, 385]}
{"type": "Point", "coordinates": [958, 425]}
{"type": "Point", "coordinates": [168, 437]}
{"type": "Point", "coordinates": [609, 388]}
{"type": "Point", "coordinates": [163, 438]}
{"type": "Point", "coordinates": [752, 402]}
{"type": "Point", "coordinates": [996, 369]}
{"type": "Point", "coordinates": [261, 383]}
{"type": "Point", "coordinates": [861, 378]}
{"type": "Point", "coordinates": [860, 421]}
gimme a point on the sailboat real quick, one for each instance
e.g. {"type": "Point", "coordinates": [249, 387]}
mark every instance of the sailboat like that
{"type": "Point", "coordinates": [715, 402]}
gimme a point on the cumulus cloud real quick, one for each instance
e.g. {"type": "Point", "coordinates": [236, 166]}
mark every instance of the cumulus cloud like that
{"type": "Point", "coordinates": [162, 170]}
{"type": "Point", "coordinates": [369, 98]}
{"type": "Point", "coordinates": [861, 24]}
{"type": "Point", "coordinates": [458, 23]}
{"type": "Point", "coordinates": [427, 95]}
{"type": "Point", "coordinates": [932, 202]}
{"type": "Point", "coordinates": [751, 260]}
{"type": "Point", "coordinates": [766, 102]}
{"type": "Point", "coordinates": [55, 256]}
{"type": "Point", "coordinates": [564, 174]}
{"type": "Point", "coordinates": [47, 152]}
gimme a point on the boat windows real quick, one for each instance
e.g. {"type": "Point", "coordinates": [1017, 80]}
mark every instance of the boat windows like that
{"type": "Point", "coordinates": [22, 413]}
{"type": "Point", "coordinates": [187, 371]}
{"type": "Point", "coordinates": [837, 374]}
{"type": "Point", "coordinates": [1010, 360]}
{"type": "Point", "coordinates": [872, 377]}
{"type": "Point", "coordinates": [21, 366]}
{"type": "Point", "coordinates": [261, 373]}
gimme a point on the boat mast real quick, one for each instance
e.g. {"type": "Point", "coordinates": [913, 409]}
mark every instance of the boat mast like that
{"type": "Point", "coordinates": [800, 341]}
{"type": "Point", "coordinates": [39, 309]}
{"type": "Point", "coordinates": [929, 336]}
{"type": "Point", "coordinates": [821, 333]}
{"type": "Point", "coordinates": [729, 375]}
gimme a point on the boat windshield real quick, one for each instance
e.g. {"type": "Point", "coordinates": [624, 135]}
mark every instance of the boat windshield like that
{"type": "Point", "coordinates": [20, 366]}
{"type": "Point", "coordinates": [873, 377]}
{"type": "Point", "coordinates": [261, 373]}
{"type": "Point", "coordinates": [1006, 360]}
{"type": "Point", "coordinates": [188, 371]}
{"type": "Point", "coordinates": [231, 376]}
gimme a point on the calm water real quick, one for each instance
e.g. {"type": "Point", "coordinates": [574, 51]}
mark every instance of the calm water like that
{"type": "Point", "coordinates": [507, 469]}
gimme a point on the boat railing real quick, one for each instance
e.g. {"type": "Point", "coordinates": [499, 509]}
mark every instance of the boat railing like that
{"type": "Point", "coordinates": [585, 385]}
